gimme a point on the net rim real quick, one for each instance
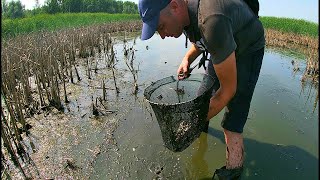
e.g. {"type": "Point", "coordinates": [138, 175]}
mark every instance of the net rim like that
{"type": "Point", "coordinates": [181, 103]}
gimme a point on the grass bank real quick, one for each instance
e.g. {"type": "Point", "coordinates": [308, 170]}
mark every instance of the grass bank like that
{"type": "Point", "coordinates": [12, 28]}
{"type": "Point", "coordinates": [288, 25]}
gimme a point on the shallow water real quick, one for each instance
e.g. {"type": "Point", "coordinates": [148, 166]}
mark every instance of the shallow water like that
{"type": "Point", "coordinates": [281, 134]}
{"type": "Point", "coordinates": [171, 91]}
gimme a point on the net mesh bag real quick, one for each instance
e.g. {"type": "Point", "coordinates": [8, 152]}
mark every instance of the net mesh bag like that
{"type": "Point", "coordinates": [181, 108]}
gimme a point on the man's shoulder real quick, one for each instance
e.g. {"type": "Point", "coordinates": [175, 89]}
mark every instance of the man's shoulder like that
{"type": "Point", "coordinates": [208, 8]}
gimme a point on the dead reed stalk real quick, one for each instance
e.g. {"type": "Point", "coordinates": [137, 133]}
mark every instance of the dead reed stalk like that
{"type": "Point", "coordinates": [41, 57]}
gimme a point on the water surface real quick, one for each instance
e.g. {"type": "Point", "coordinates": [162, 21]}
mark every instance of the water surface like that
{"type": "Point", "coordinates": [281, 134]}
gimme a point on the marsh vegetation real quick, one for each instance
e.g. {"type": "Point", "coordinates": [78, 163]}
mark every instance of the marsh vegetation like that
{"type": "Point", "coordinates": [38, 70]}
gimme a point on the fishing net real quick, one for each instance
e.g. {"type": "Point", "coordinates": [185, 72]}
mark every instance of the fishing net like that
{"type": "Point", "coordinates": [181, 108]}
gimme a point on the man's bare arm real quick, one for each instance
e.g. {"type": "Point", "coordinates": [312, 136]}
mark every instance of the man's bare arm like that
{"type": "Point", "coordinates": [227, 74]}
{"type": "Point", "coordinates": [190, 56]}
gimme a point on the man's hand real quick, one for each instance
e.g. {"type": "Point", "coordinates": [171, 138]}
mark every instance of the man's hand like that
{"type": "Point", "coordinates": [183, 69]}
{"type": "Point", "coordinates": [191, 55]}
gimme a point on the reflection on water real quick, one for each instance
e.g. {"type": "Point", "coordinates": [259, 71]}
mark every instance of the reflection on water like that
{"type": "Point", "coordinates": [199, 162]}
{"type": "Point", "coordinates": [281, 134]}
{"type": "Point", "coordinates": [309, 88]}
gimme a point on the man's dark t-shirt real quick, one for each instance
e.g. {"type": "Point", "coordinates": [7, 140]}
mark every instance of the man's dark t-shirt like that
{"type": "Point", "coordinates": [224, 26]}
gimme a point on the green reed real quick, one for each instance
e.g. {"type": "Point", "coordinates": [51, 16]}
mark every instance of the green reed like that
{"type": "Point", "coordinates": [46, 22]}
{"type": "Point", "coordinates": [289, 25]}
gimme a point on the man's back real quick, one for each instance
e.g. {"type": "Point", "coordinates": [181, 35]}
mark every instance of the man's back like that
{"type": "Point", "coordinates": [229, 24]}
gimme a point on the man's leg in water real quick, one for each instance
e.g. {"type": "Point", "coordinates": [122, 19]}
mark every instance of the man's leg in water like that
{"type": "Point", "coordinates": [236, 112]}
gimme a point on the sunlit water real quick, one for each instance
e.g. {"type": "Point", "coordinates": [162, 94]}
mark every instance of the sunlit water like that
{"type": "Point", "coordinates": [280, 136]}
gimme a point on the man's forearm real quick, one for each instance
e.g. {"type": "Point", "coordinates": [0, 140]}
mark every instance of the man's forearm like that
{"type": "Point", "coordinates": [192, 54]}
{"type": "Point", "coordinates": [217, 103]}
{"type": "Point", "coordinates": [226, 72]}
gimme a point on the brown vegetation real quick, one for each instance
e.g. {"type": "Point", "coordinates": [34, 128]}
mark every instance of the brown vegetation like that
{"type": "Point", "coordinates": [36, 66]}
{"type": "Point", "coordinates": [302, 44]}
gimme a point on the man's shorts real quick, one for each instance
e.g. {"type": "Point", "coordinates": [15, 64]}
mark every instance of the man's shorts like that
{"type": "Point", "coordinates": [248, 70]}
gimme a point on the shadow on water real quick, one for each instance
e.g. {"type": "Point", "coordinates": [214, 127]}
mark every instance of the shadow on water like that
{"type": "Point", "coordinates": [262, 160]}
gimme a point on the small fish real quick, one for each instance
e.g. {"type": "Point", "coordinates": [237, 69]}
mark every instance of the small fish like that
{"type": "Point", "coordinates": [180, 91]}
{"type": "Point", "coordinates": [160, 97]}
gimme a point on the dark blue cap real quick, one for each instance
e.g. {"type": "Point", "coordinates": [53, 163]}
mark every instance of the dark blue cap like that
{"type": "Point", "coordinates": [149, 11]}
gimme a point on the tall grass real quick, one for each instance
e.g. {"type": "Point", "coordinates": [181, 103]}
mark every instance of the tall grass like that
{"type": "Point", "coordinates": [12, 28]}
{"type": "Point", "coordinates": [288, 25]}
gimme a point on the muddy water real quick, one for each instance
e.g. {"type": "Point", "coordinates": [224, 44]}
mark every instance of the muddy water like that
{"type": "Point", "coordinates": [281, 134]}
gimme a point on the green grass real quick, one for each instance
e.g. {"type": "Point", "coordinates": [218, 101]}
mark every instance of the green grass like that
{"type": "Point", "coordinates": [11, 28]}
{"type": "Point", "coordinates": [296, 26]}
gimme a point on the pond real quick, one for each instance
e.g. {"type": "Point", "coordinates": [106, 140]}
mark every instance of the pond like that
{"type": "Point", "coordinates": [280, 136]}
